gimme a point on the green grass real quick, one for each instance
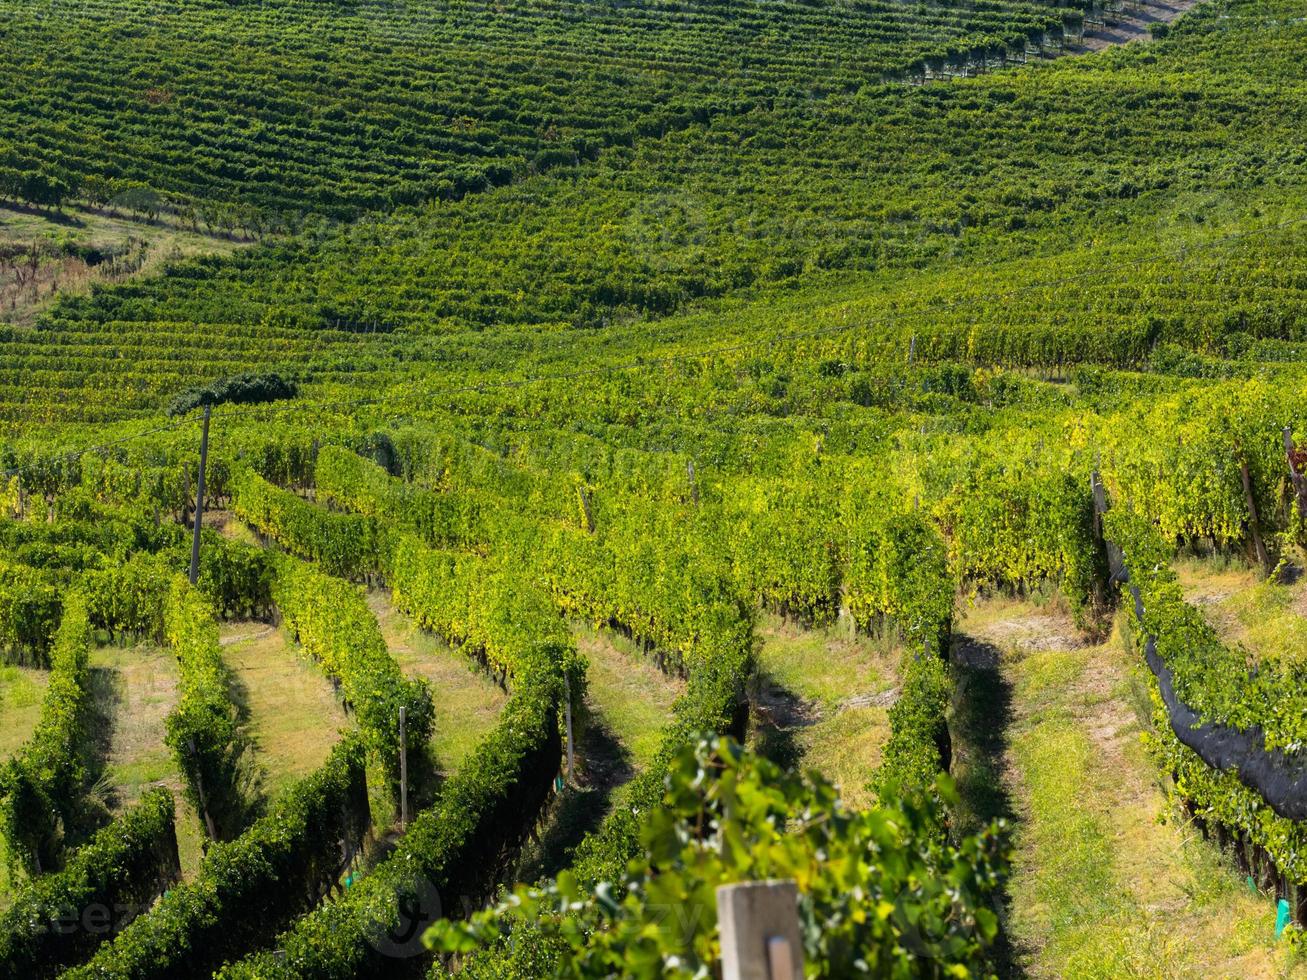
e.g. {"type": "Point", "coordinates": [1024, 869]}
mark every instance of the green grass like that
{"type": "Point", "coordinates": [632, 696]}
{"type": "Point", "coordinates": [21, 692]}
{"type": "Point", "coordinates": [467, 702]}
{"type": "Point", "coordinates": [846, 749]}
{"type": "Point", "coordinates": [1108, 881]}
{"type": "Point", "coordinates": [827, 692]}
{"type": "Point", "coordinates": [827, 665]}
{"type": "Point", "coordinates": [1266, 617]}
{"type": "Point", "coordinates": [291, 713]}
{"type": "Point", "coordinates": [135, 689]}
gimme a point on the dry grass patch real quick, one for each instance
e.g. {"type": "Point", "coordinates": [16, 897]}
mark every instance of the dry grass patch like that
{"type": "Point", "coordinates": [627, 691]}
{"type": "Point", "coordinates": [467, 702]}
{"type": "Point", "coordinates": [44, 255]}
{"type": "Point", "coordinates": [289, 708]}
{"type": "Point", "coordinates": [135, 690]}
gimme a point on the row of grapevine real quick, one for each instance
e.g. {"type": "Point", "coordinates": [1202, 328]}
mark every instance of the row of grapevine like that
{"type": "Point", "coordinates": [456, 850]}
{"type": "Point", "coordinates": [250, 887]}
{"type": "Point", "coordinates": [330, 618]}
{"type": "Point", "coordinates": [203, 730]}
{"type": "Point", "coordinates": [439, 101]}
{"type": "Point", "coordinates": [345, 545]}
{"type": "Point", "coordinates": [1250, 721]}
{"type": "Point", "coordinates": [57, 920]}
{"type": "Point", "coordinates": [30, 608]}
{"type": "Point", "coordinates": [41, 787]}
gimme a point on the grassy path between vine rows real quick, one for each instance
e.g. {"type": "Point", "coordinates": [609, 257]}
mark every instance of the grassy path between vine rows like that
{"type": "Point", "coordinates": [467, 701]}
{"type": "Point", "coordinates": [1268, 618]}
{"type": "Point", "coordinates": [1108, 880]}
{"type": "Point", "coordinates": [22, 690]}
{"type": "Point", "coordinates": [289, 709]}
{"type": "Point", "coordinates": [821, 701]}
{"type": "Point", "coordinates": [135, 689]}
{"type": "Point", "coordinates": [618, 728]}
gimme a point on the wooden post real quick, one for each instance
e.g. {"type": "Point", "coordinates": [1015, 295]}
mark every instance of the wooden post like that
{"type": "Point", "coordinates": [1252, 517]}
{"type": "Point", "coordinates": [694, 484]}
{"type": "Point", "coordinates": [204, 798]}
{"type": "Point", "coordinates": [1115, 560]}
{"type": "Point", "coordinates": [912, 349]}
{"type": "Point", "coordinates": [403, 767]}
{"type": "Point", "coordinates": [199, 498]}
{"type": "Point", "coordinates": [1299, 480]}
{"type": "Point", "coordinates": [567, 711]}
{"type": "Point", "coordinates": [759, 923]}
{"type": "Point", "coordinates": [587, 509]}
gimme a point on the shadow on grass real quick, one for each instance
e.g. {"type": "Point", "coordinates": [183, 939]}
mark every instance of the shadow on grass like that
{"type": "Point", "coordinates": [603, 765]}
{"type": "Point", "coordinates": [776, 716]}
{"type": "Point", "coordinates": [107, 695]}
{"type": "Point", "coordinates": [981, 718]}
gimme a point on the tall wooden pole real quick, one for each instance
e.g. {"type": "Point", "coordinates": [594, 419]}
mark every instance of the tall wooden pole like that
{"type": "Point", "coordinates": [199, 498]}
{"type": "Point", "coordinates": [403, 767]}
{"type": "Point", "coordinates": [1299, 480]}
{"type": "Point", "coordinates": [1254, 524]}
{"type": "Point", "coordinates": [567, 691]}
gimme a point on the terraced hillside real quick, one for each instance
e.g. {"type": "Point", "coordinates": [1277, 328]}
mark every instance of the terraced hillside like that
{"type": "Point", "coordinates": [230, 113]}
{"type": "Point", "coordinates": [651, 447]}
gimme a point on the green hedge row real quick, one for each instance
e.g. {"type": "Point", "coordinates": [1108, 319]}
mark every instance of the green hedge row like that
{"type": "Point", "coordinates": [202, 730]}
{"type": "Point", "coordinates": [59, 919]}
{"type": "Point", "coordinates": [249, 888]}
{"type": "Point", "coordinates": [456, 851]}
{"type": "Point", "coordinates": [332, 620]}
{"type": "Point", "coordinates": [237, 577]}
{"type": "Point", "coordinates": [41, 787]}
{"type": "Point", "coordinates": [346, 545]}
{"type": "Point", "coordinates": [1015, 524]}
{"type": "Point", "coordinates": [347, 480]}
{"type": "Point", "coordinates": [488, 610]}
{"type": "Point", "coordinates": [30, 609]}
{"type": "Point", "coordinates": [128, 599]}
{"type": "Point", "coordinates": [919, 747]}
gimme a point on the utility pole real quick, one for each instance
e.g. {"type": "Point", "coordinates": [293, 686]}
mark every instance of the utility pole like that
{"type": "Point", "coordinates": [199, 498]}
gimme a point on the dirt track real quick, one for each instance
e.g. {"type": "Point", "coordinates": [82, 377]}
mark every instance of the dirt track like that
{"type": "Point", "coordinates": [1131, 25]}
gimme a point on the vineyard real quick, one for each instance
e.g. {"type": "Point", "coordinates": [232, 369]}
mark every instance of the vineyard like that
{"type": "Point", "coordinates": [479, 481]}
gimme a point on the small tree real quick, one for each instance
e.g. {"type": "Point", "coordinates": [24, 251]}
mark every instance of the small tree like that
{"type": "Point", "coordinates": [240, 389]}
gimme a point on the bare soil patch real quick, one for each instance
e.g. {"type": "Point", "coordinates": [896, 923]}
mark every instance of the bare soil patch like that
{"type": "Point", "coordinates": [1133, 23]}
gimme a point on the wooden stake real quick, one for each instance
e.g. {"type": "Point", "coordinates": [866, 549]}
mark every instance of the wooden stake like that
{"type": "Point", "coordinates": [1115, 560]}
{"type": "Point", "coordinates": [403, 767]}
{"type": "Point", "coordinates": [1298, 479]}
{"type": "Point", "coordinates": [1254, 525]}
{"type": "Point", "coordinates": [204, 798]}
{"type": "Point", "coordinates": [567, 708]}
{"type": "Point", "coordinates": [199, 498]}
{"type": "Point", "coordinates": [760, 931]}
{"type": "Point", "coordinates": [587, 509]}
